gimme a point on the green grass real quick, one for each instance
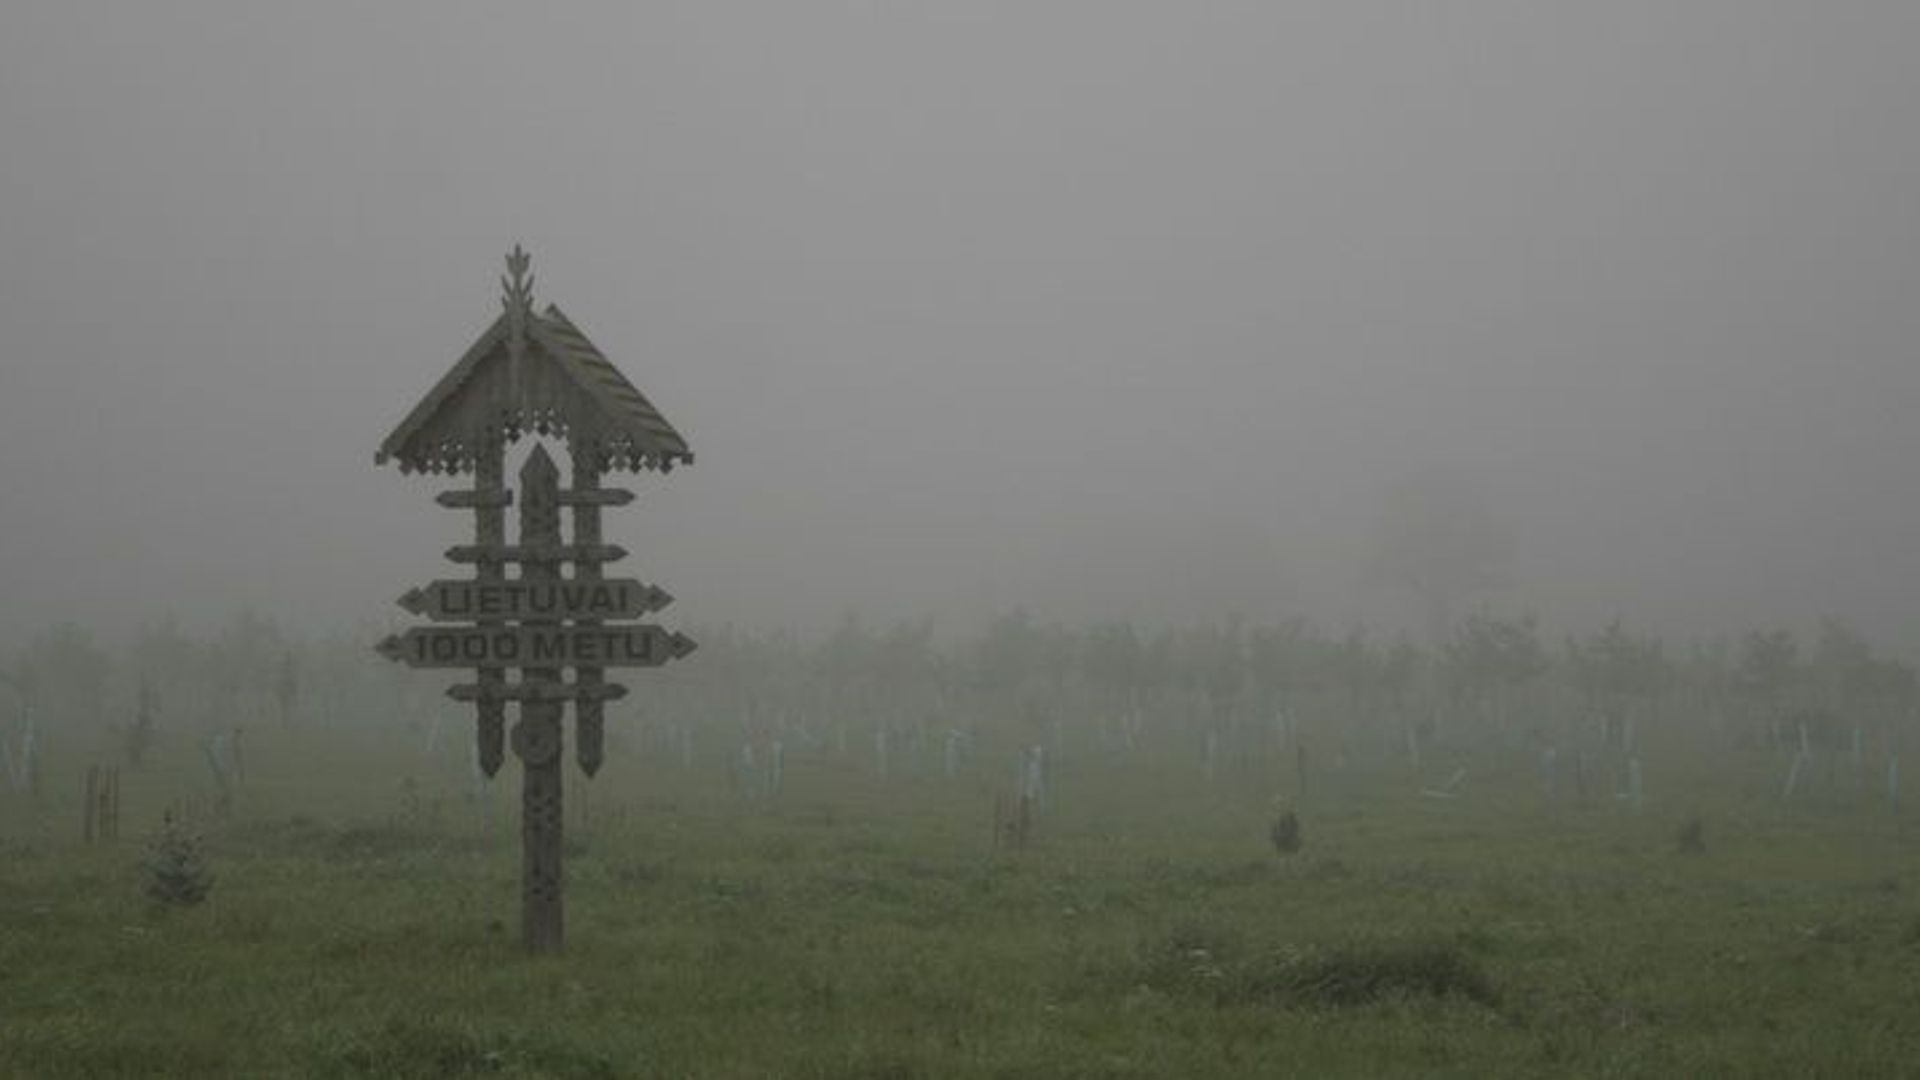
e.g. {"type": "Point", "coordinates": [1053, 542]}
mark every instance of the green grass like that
{"type": "Point", "coordinates": [860, 928]}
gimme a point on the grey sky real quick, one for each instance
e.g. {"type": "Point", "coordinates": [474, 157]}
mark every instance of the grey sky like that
{"type": "Point", "coordinates": [1108, 309]}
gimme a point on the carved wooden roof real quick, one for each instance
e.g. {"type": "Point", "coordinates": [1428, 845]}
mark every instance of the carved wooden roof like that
{"type": "Point", "coordinates": [546, 378]}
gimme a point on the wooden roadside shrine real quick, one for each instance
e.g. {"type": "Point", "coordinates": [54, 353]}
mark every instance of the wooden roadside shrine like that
{"type": "Point", "coordinates": [535, 374]}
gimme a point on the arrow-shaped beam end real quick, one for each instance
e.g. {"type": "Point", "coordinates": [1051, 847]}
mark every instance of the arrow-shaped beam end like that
{"type": "Point", "coordinates": [681, 645]}
{"type": "Point", "coordinates": [389, 647]}
{"type": "Point", "coordinates": [413, 600]}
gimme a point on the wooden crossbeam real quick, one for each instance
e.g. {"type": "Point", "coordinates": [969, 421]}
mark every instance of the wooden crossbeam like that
{"type": "Point", "coordinates": [536, 553]}
{"type": "Point", "coordinates": [537, 692]}
{"type": "Point", "coordinates": [475, 500]}
{"type": "Point", "coordinates": [547, 644]}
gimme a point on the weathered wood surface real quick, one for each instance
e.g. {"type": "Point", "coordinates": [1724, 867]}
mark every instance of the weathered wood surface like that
{"type": "Point", "coordinates": [538, 737]}
{"type": "Point", "coordinates": [537, 692]}
{"type": "Point", "coordinates": [585, 597]}
{"type": "Point", "coordinates": [536, 374]}
{"type": "Point", "coordinates": [533, 373]}
{"type": "Point", "coordinates": [479, 498]}
{"type": "Point", "coordinates": [618, 645]}
{"type": "Point", "coordinates": [490, 530]}
{"type": "Point", "coordinates": [536, 553]}
{"type": "Point", "coordinates": [589, 715]}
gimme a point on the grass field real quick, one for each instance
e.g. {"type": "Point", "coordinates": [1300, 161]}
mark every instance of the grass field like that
{"type": "Point", "coordinates": [363, 922]}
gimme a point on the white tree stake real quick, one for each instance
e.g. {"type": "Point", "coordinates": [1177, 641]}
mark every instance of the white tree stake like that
{"type": "Point", "coordinates": [749, 772]}
{"type": "Point", "coordinates": [1033, 780]}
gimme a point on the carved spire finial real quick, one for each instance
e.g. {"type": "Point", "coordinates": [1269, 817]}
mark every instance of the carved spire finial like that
{"type": "Point", "coordinates": [518, 285]}
{"type": "Point", "coordinates": [519, 282]}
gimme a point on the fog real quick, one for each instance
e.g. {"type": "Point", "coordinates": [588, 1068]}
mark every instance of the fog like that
{"type": "Point", "coordinates": [1105, 310]}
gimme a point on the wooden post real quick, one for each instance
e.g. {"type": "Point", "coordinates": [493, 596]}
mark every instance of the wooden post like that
{"type": "Point", "coordinates": [103, 785]}
{"type": "Point", "coordinates": [537, 737]}
{"type": "Point", "coordinates": [589, 711]}
{"type": "Point", "coordinates": [91, 806]}
{"type": "Point", "coordinates": [490, 529]}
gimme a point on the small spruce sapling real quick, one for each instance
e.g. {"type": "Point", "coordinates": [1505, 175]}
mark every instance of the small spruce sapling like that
{"type": "Point", "coordinates": [1691, 838]}
{"type": "Point", "coordinates": [176, 874]}
{"type": "Point", "coordinates": [1285, 832]}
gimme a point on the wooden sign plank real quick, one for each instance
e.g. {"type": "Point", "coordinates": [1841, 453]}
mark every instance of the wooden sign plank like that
{"type": "Point", "coordinates": [537, 692]}
{"type": "Point", "coordinates": [623, 645]}
{"type": "Point", "coordinates": [607, 600]}
{"type": "Point", "coordinates": [478, 499]}
{"type": "Point", "coordinates": [540, 553]}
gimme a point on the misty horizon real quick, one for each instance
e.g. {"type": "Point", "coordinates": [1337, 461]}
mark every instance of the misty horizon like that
{"type": "Point", "coordinates": [1097, 311]}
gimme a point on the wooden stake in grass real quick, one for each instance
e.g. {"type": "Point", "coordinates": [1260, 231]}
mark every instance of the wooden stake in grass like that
{"type": "Point", "coordinates": [1033, 776]}
{"type": "Point", "coordinates": [1284, 834]}
{"type": "Point", "coordinates": [100, 810]}
{"type": "Point", "coordinates": [1012, 821]}
{"type": "Point", "coordinates": [952, 760]}
{"type": "Point", "coordinates": [218, 763]}
{"type": "Point", "coordinates": [748, 772]}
